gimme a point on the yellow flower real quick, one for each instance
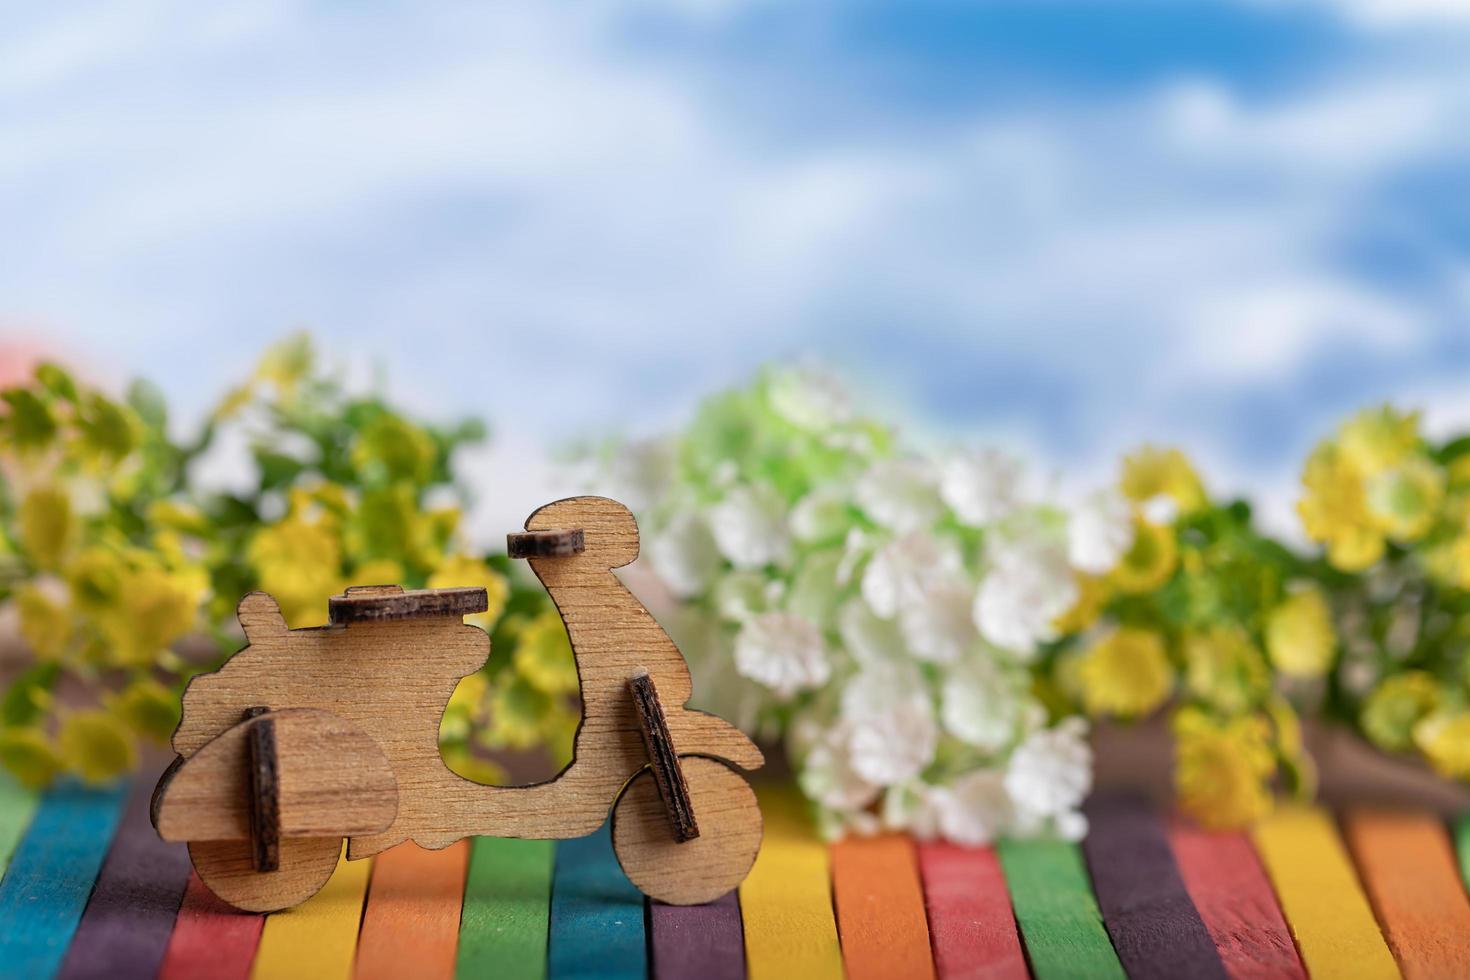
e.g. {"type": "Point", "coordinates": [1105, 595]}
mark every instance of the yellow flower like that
{"type": "Point", "coordinates": [544, 655]}
{"type": "Point", "coordinates": [109, 431]}
{"type": "Point", "coordinates": [390, 449]}
{"type": "Point", "coordinates": [300, 563]}
{"type": "Point", "coordinates": [518, 711]}
{"type": "Point", "coordinates": [389, 524]}
{"type": "Point", "coordinates": [1378, 438]}
{"type": "Point", "coordinates": [464, 570]}
{"type": "Point", "coordinates": [1224, 668]}
{"type": "Point", "coordinates": [1444, 738]}
{"type": "Point", "coordinates": [1405, 499]}
{"type": "Point", "coordinates": [174, 516]}
{"type": "Point", "coordinates": [27, 754]}
{"type": "Point", "coordinates": [1299, 635]}
{"type": "Point", "coordinates": [47, 527]}
{"type": "Point", "coordinates": [1126, 673]}
{"type": "Point", "coordinates": [95, 578]}
{"type": "Point", "coordinates": [466, 706]}
{"type": "Point", "coordinates": [155, 607]}
{"type": "Point", "coordinates": [1450, 562]}
{"type": "Point", "coordinates": [1149, 562]}
{"type": "Point", "coordinates": [1221, 769]}
{"type": "Point", "coordinates": [96, 746]}
{"type": "Point", "coordinates": [379, 571]}
{"type": "Point", "coordinates": [148, 708]}
{"type": "Point", "coordinates": [462, 760]}
{"type": "Point", "coordinates": [45, 623]}
{"type": "Point", "coordinates": [1155, 472]}
{"type": "Point", "coordinates": [1396, 706]}
{"type": "Point", "coordinates": [1334, 510]}
{"type": "Point", "coordinates": [287, 362]}
{"type": "Point", "coordinates": [1092, 595]}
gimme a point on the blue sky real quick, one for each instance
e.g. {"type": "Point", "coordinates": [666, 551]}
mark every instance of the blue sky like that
{"type": "Point", "coordinates": [1066, 227]}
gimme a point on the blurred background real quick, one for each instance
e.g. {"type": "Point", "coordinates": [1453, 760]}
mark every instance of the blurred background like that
{"type": "Point", "coordinates": [1061, 227]}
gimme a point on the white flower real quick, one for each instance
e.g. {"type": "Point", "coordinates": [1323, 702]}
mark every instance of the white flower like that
{"type": "Point", "coordinates": [820, 516]}
{"type": "Point", "coordinates": [982, 486]}
{"type": "Point", "coordinates": [899, 494]}
{"type": "Point", "coordinates": [1100, 532]}
{"type": "Point", "coordinates": [869, 640]}
{"type": "Point", "coordinates": [975, 809]}
{"type": "Point", "coordinates": [809, 399]}
{"type": "Point", "coordinates": [910, 807]}
{"type": "Point", "coordinates": [984, 706]}
{"type": "Point", "coordinates": [741, 595]}
{"type": "Point", "coordinates": [892, 733]}
{"type": "Point", "coordinates": [904, 571]}
{"type": "Point", "coordinates": [684, 555]}
{"type": "Point", "coordinates": [1026, 588]}
{"type": "Point", "coordinates": [827, 775]}
{"type": "Point", "coordinates": [784, 652]}
{"type": "Point", "coordinates": [938, 625]}
{"type": "Point", "coordinates": [1050, 773]}
{"type": "Point", "coordinates": [749, 526]}
{"type": "Point", "coordinates": [815, 591]}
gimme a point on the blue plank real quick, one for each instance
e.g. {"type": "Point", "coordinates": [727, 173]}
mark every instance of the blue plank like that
{"type": "Point", "coordinates": [51, 873]}
{"type": "Point", "coordinates": [596, 914]}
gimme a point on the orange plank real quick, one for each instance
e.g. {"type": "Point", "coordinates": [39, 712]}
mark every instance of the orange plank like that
{"type": "Point", "coordinates": [880, 908]}
{"type": "Point", "coordinates": [1408, 868]}
{"type": "Point", "coordinates": [411, 925]}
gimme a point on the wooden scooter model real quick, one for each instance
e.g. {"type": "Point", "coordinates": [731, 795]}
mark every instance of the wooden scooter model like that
{"type": "Point", "coordinates": [309, 736]}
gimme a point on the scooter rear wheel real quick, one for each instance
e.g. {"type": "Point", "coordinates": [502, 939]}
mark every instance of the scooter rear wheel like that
{"type": "Point", "coordinates": [696, 871]}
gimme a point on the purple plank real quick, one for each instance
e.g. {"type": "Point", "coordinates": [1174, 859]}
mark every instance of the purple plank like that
{"type": "Point", "coordinates": [1154, 925]}
{"type": "Point", "coordinates": [125, 929]}
{"type": "Point", "coordinates": [698, 942]}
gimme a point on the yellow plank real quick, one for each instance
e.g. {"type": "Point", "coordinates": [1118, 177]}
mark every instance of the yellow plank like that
{"type": "Point", "coordinates": [1324, 904]}
{"type": "Point", "coordinates": [316, 939]}
{"type": "Point", "coordinates": [786, 900]}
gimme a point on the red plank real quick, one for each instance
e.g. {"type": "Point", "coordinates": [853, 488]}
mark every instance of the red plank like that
{"type": "Point", "coordinates": [970, 920]}
{"type": "Point", "coordinates": [211, 940]}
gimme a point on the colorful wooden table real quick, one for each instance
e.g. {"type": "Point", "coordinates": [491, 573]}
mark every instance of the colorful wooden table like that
{"type": "Point", "coordinates": [90, 891]}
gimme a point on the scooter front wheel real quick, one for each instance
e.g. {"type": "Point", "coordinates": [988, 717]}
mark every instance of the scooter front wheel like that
{"type": "Point", "coordinates": [227, 868]}
{"type": "Point", "coordinates": [699, 870]}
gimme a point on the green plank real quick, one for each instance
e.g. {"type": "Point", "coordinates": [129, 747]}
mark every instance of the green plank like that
{"type": "Point", "coordinates": [17, 806]}
{"type": "Point", "coordinates": [1462, 846]}
{"type": "Point", "coordinates": [1059, 919]}
{"type": "Point", "coordinates": [507, 909]}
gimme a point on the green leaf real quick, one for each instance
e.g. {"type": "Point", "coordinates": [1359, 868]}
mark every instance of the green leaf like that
{"type": "Point", "coordinates": [21, 704]}
{"type": "Point", "coordinates": [30, 422]}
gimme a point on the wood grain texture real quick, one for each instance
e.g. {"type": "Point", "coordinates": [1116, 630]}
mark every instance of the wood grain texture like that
{"type": "Point", "coordinates": [663, 759]}
{"type": "Point", "coordinates": [971, 926]}
{"type": "Point", "coordinates": [694, 871]}
{"type": "Point", "coordinates": [697, 942]}
{"type": "Point", "coordinates": [48, 882]}
{"type": "Point", "coordinates": [410, 927]}
{"type": "Point", "coordinates": [332, 781]}
{"type": "Point", "coordinates": [507, 909]}
{"type": "Point", "coordinates": [318, 939]}
{"type": "Point", "coordinates": [879, 902]}
{"type": "Point", "coordinates": [265, 792]}
{"type": "Point", "coordinates": [1324, 906]}
{"type": "Point", "coordinates": [17, 806]}
{"type": "Point", "coordinates": [211, 940]}
{"type": "Point", "coordinates": [596, 915]}
{"type": "Point", "coordinates": [128, 920]}
{"type": "Point", "coordinates": [1156, 930]}
{"type": "Point", "coordinates": [1407, 866]}
{"type": "Point", "coordinates": [1234, 898]}
{"type": "Point", "coordinates": [786, 900]}
{"type": "Point", "coordinates": [553, 543]}
{"type": "Point", "coordinates": [378, 603]}
{"type": "Point", "coordinates": [1060, 923]}
{"type": "Point", "coordinates": [394, 677]}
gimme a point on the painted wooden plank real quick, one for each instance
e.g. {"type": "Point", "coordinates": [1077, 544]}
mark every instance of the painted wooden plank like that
{"type": "Point", "coordinates": [126, 926]}
{"type": "Point", "coordinates": [970, 920]}
{"type": "Point", "coordinates": [596, 914]}
{"type": "Point", "coordinates": [211, 940]}
{"type": "Point", "coordinates": [317, 940]}
{"type": "Point", "coordinates": [1325, 907]}
{"type": "Point", "coordinates": [50, 877]}
{"type": "Point", "coordinates": [1059, 919]}
{"type": "Point", "coordinates": [880, 908]}
{"type": "Point", "coordinates": [786, 900]}
{"type": "Point", "coordinates": [507, 909]}
{"type": "Point", "coordinates": [410, 926]}
{"type": "Point", "coordinates": [1234, 897]}
{"type": "Point", "coordinates": [697, 942]}
{"type": "Point", "coordinates": [1408, 868]}
{"type": "Point", "coordinates": [17, 806]}
{"type": "Point", "coordinates": [1462, 846]}
{"type": "Point", "coordinates": [1156, 930]}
